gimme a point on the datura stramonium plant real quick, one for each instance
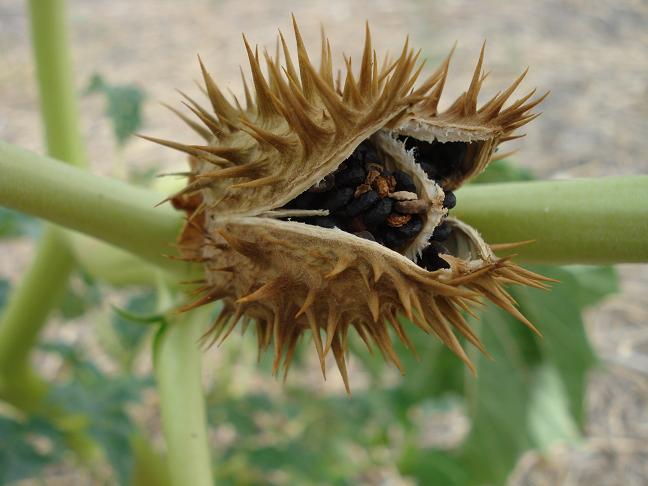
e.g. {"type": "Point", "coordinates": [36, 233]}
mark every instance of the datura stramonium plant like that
{"type": "Point", "coordinates": [322, 204]}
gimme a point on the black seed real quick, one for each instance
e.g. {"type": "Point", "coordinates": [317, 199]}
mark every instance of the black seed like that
{"type": "Point", "coordinates": [404, 182]}
{"type": "Point", "coordinates": [362, 203]}
{"type": "Point", "coordinates": [411, 228]}
{"type": "Point", "coordinates": [353, 175]}
{"type": "Point", "coordinates": [378, 213]}
{"type": "Point", "coordinates": [450, 200]}
{"type": "Point", "coordinates": [324, 221]}
{"type": "Point", "coordinates": [390, 238]}
{"type": "Point", "coordinates": [430, 170]}
{"type": "Point", "coordinates": [338, 198]}
{"type": "Point", "coordinates": [430, 259]}
{"type": "Point", "coordinates": [366, 152]}
{"type": "Point", "coordinates": [442, 232]}
{"type": "Point", "coordinates": [366, 235]}
{"type": "Point", "coordinates": [306, 200]}
{"type": "Point", "coordinates": [324, 185]}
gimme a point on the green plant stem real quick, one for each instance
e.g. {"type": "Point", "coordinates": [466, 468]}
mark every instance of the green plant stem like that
{"type": "Point", "coordinates": [29, 305]}
{"type": "Point", "coordinates": [573, 221]}
{"type": "Point", "coordinates": [113, 211]}
{"type": "Point", "coordinates": [177, 360]}
{"type": "Point", "coordinates": [596, 221]}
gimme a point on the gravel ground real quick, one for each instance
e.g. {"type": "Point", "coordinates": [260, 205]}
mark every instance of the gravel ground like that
{"type": "Point", "coordinates": [592, 55]}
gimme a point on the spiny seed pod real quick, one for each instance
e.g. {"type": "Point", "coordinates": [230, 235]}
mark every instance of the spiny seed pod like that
{"type": "Point", "coordinates": [290, 209]}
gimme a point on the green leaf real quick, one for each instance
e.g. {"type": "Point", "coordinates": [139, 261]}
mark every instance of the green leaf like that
{"type": "Point", "coordinates": [5, 288]}
{"type": "Point", "coordinates": [592, 283]}
{"type": "Point", "coordinates": [81, 294]}
{"type": "Point", "coordinates": [123, 106]}
{"type": "Point", "coordinates": [557, 313]}
{"type": "Point", "coordinates": [139, 310]}
{"type": "Point", "coordinates": [26, 447]}
{"type": "Point", "coordinates": [549, 418]}
{"type": "Point", "coordinates": [432, 466]}
{"type": "Point", "coordinates": [102, 402]}
{"type": "Point", "coordinates": [498, 401]}
{"type": "Point", "coordinates": [14, 224]}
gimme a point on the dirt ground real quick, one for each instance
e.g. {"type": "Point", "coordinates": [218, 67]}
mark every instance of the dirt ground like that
{"type": "Point", "coordinates": [592, 55]}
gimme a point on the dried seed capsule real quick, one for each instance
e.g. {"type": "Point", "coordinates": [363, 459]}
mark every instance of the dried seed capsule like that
{"type": "Point", "coordinates": [397, 220]}
{"type": "Point", "coordinates": [404, 196]}
{"type": "Point", "coordinates": [411, 228]}
{"type": "Point", "coordinates": [369, 166]}
{"type": "Point", "coordinates": [338, 198]}
{"type": "Point", "coordinates": [378, 213]}
{"type": "Point", "coordinates": [366, 235]}
{"type": "Point", "coordinates": [361, 204]}
{"type": "Point", "coordinates": [391, 180]}
{"type": "Point", "coordinates": [417, 206]}
{"type": "Point", "coordinates": [442, 232]}
{"type": "Point", "coordinates": [324, 185]}
{"type": "Point", "coordinates": [353, 175]}
{"type": "Point", "coordinates": [450, 200]}
{"type": "Point", "coordinates": [404, 182]}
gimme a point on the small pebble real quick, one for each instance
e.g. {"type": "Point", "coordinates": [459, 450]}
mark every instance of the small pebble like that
{"type": "Point", "coordinates": [378, 213]}
{"type": "Point", "coordinates": [362, 203]}
{"type": "Point", "coordinates": [418, 206]}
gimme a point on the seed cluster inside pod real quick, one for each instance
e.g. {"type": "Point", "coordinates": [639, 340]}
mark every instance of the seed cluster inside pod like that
{"type": "Point", "coordinates": [364, 197]}
{"type": "Point", "coordinates": [291, 185]}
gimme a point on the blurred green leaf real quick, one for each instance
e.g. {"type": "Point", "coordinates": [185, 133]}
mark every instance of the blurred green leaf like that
{"type": "Point", "coordinates": [5, 288]}
{"type": "Point", "coordinates": [123, 105]}
{"type": "Point", "coordinates": [498, 401]}
{"type": "Point", "coordinates": [128, 328]}
{"type": "Point", "coordinates": [557, 313]}
{"type": "Point", "coordinates": [592, 283]}
{"type": "Point", "coordinates": [81, 295]}
{"type": "Point", "coordinates": [549, 418]}
{"type": "Point", "coordinates": [14, 224]}
{"type": "Point", "coordinates": [101, 400]}
{"type": "Point", "coordinates": [26, 447]}
{"type": "Point", "coordinates": [432, 466]}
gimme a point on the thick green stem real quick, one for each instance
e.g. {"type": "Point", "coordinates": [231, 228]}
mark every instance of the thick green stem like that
{"type": "Point", "coordinates": [178, 374]}
{"type": "Point", "coordinates": [113, 211]}
{"type": "Point", "coordinates": [28, 307]}
{"type": "Point", "coordinates": [573, 221]}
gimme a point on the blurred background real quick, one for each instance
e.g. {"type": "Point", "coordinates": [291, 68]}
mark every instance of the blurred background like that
{"type": "Point", "coordinates": [130, 56]}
